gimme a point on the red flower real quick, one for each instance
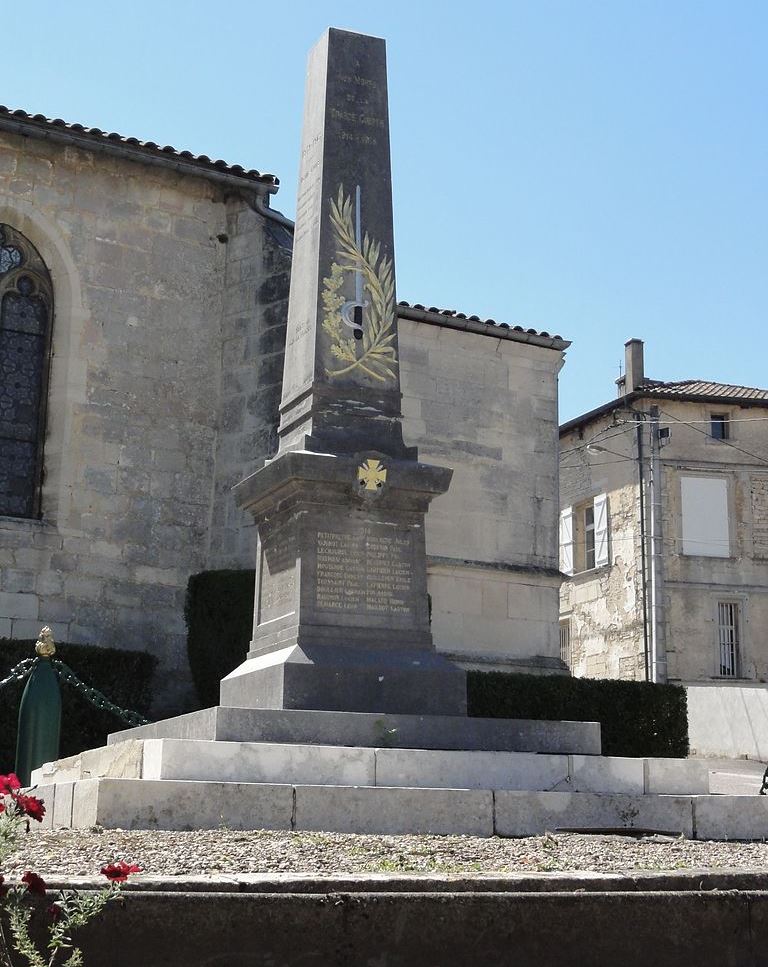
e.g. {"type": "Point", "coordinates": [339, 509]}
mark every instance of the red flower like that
{"type": "Point", "coordinates": [55, 912]}
{"type": "Point", "coordinates": [2, 807]}
{"type": "Point", "coordinates": [9, 783]}
{"type": "Point", "coordinates": [119, 872]}
{"type": "Point", "coordinates": [35, 883]}
{"type": "Point", "coordinates": [3, 889]}
{"type": "Point", "coordinates": [29, 806]}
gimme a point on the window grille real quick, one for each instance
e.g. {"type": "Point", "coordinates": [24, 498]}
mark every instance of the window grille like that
{"type": "Point", "coordinates": [26, 304]}
{"type": "Point", "coordinates": [565, 642]}
{"type": "Point", "coordinates": [729, 633]}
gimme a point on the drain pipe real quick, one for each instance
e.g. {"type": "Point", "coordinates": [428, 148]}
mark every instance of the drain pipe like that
{"type": "Point", "coordinates": [260, 204]}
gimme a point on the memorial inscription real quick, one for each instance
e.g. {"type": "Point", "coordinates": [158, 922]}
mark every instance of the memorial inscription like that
{"type": "Point", "coordinates": [369, 571]}
{"type": "Point", "coordinates": [277, 581]}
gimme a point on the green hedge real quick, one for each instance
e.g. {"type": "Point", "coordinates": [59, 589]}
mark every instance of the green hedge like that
{"type": "Point", "coordinates": [219, 616]}
{"type": "Point", "coordinates": [637, 718]}
{"type": "Point", "coordinates": [125, 677]}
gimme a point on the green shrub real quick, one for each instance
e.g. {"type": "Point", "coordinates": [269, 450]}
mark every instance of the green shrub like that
{"type": "Point", "coordinates": [125, 677]}
{"type": "Point", "coordinates": [637, 718]}
{"type": "Point", "coordinates": [219, 616]}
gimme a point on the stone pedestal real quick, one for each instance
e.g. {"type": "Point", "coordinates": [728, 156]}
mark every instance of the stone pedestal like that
{"type": "Point", "coordinates": [341, 615]}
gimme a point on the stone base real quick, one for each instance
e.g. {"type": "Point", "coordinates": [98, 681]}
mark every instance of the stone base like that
{"type": "Point", "coordinates": [388, 681]}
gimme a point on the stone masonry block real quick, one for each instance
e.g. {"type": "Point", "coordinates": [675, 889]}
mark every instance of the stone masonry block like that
{"type": "Point", "coordinates": [534, 813]}
{"type": "Point", "coordinates": [606, 774]}
{"type": "Point", "coordinates": [344, 809]}
{"type": "Point", "coordinates": [170, 804]}
{"type": "Point", "coordinates": [258, 762]}
{"type": "Point", "coordinates": [17, 605]}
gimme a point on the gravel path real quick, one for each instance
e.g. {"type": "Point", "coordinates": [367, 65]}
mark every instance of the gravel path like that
{"type": "Point", "coordinates": [208, 852]}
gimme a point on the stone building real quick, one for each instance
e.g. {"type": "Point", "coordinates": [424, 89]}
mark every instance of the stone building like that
{"type": "Point", "coordinates": [143, 295]}
{"type": "Point", "coordinates": [664, 533]}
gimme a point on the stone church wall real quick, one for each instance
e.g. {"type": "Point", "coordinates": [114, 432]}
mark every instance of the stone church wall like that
{"type": "Point", "coordinates": [147, 268]}
{"type": "Point", "coordinates": [487, 407]}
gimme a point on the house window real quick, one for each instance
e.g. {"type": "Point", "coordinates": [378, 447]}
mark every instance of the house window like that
{"type": "Point", "coordinates": [729, 637]}
{"type": "Point", "coordinates": [719, 427]}
{"type": "Point", "coordinates": [26, 308]}
{"type": "Point", "coordinates": [584, 536]}
{"type": "Point", "coordinates": [705, 525]}
{"type": "Point", "coordinates": [565, 641]}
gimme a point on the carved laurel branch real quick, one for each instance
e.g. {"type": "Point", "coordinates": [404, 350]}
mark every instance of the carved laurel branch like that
{"type": "Point", "coordinates": [378, 357]}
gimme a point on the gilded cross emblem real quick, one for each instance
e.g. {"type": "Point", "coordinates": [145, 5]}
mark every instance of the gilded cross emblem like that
{"type": "Point", "coordinates": [372, 474]}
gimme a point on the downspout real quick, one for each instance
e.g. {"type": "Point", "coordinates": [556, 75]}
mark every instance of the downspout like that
{"type": "Point", "coordinates": [658, 650]}
{"type": "Point", "coordinates": [260, 204]}
{"type": "Point", "coordinates": [643, 558]}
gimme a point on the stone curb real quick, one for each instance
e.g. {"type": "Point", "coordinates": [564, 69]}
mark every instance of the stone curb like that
{"type": "Point", "coordinates": [704, 880]}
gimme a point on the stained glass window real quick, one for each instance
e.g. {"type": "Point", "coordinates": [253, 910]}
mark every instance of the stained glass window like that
{"type": "Point", "coordinates": [26, 303]}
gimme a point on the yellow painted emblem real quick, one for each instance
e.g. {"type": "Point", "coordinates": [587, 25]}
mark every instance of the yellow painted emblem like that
{"type": "Point", "coordinates": [372, 473]}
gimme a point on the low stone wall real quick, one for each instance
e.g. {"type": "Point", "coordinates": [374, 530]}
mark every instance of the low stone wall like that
{"type": "Point", "coordinates": [728, 720]}
{"type": "Point", "coordinates": [438, 922]}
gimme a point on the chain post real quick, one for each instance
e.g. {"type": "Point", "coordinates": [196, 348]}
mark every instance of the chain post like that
{"type": "Point", "coordinates": [39, 712]}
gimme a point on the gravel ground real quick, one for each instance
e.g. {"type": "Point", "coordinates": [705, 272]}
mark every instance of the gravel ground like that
{"type": "Point", "coordinates": [208, 852]}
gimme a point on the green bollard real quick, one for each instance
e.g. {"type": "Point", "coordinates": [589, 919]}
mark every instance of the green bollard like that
{"type": "Point", "coordinates": [39, 713]}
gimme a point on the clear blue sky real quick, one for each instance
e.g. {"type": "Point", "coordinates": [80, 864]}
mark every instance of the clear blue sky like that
{"type": "Point", "coordinates": [595, 169]}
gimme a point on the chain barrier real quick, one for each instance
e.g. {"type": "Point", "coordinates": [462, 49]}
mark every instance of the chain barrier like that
{"type": "Point", "coordinates": [19, 672]}
{"type": "Point", "coordinates": [94, 696]}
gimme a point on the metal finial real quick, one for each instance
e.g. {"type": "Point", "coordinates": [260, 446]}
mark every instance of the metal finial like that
{"type": "Point", "coordinates": [45, 646]}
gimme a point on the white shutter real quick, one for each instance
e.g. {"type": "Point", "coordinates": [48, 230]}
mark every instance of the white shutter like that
{"type": "Point", "coordinates": [566, 540]}
{"type": "Point", "coordinates": [602, 556]}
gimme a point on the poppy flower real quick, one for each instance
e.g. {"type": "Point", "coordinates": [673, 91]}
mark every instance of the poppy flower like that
{"type": "Point", "coordinates": [55, 912]}
{"type": "Point", "coordinates": [29, 806]}
{"type": "Point", "coordinates": [119, 872]}
{"type": "Point", "coordinates": [9, 783]}
{"type": "Point", "coordinates": [3, 889]}
{"type": "Point", "coordinates": [35, 883]}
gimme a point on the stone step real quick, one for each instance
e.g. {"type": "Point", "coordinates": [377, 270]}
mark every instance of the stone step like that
{"type": "Point", "coordinates": [182, 804]}
{"type": "Point", "coordinates": [270, 762]}
{"type": "Point", "coordinates": [369, 729]}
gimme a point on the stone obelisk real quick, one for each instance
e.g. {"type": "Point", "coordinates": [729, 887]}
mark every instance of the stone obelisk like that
{"type": "Point", "coordinates": [341, 616]}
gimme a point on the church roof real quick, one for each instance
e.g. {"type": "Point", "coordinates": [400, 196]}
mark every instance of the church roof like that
{"type": "Point", "coordinates": [452, 319]}
{"type": "Point", "coordinates": [54, 129]}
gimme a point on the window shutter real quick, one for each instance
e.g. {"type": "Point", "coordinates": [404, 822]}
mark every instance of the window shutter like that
{"type": "Point", "coordinates": [566, 540]}
{"type": "Point", "coordinates": [602, 555]}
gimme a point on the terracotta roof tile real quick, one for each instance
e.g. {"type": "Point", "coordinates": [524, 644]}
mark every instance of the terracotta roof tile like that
{"type": "Point", "coordinates": [687, 388]}
{"type": "Point", "coordinates": [39, 124]}
{"type": "Point", "coordinates": [441, 315]}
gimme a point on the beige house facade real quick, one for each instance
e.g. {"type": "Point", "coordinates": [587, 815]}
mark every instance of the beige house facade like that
{"type": "Point", "coordinates": [664, 533]}
{"type": "Point", "coordinates": [143, 296]}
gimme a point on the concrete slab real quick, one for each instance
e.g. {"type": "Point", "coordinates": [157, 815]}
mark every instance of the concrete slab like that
{"type": "Point", "coordinates": [534, 813]}
{"type": "Point", "coordinates": [175, 804]}
{"type": "Point", "coordinates": [676, 776]}
{"type": "Point", "coordinates": [62, 798]}
{"type": "Point", "coordinates": [258, 762]}
{"type": "Point", "coordinates": [342, 809]}
{"type": "Point", "coordinates": [122, 760]}
{"type": "Point", "coordinates": [469, 770]}
{"type": "Point", "coordinates": [368, 729]}
{"type": "Point", "coordinates": [731, 817]}
{"type": "Point", "coordinates": [606, 774]}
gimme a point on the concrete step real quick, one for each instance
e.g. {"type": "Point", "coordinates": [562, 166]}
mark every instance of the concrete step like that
{"type": "Point", "coordinates": [271, 762]}
{"type": "Point", "coordinates": [184, 804]}
{"type": "Point", "coordinates": [367, 729]}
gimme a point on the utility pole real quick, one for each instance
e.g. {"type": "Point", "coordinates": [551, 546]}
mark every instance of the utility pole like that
{"type": "Point", "coordinates": [658, 643]}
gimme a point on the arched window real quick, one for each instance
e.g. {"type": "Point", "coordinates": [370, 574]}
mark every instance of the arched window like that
{"type": "Point", "coordinates": [26, 310]}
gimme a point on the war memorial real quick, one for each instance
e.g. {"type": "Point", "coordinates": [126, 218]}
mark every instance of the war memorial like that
{"type": "Point", "coordinates": [343, 717]}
